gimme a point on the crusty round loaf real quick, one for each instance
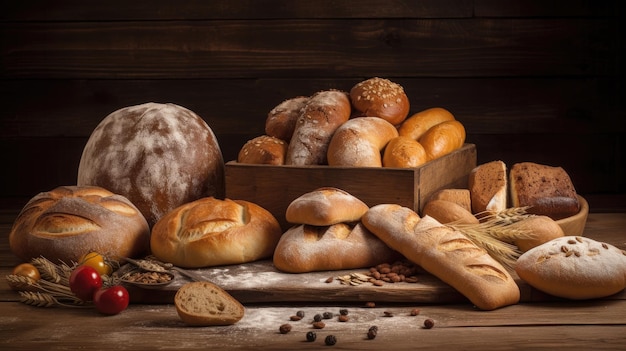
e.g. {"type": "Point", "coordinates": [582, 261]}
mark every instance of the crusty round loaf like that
{"type": "Point", "coordinates": [211, 232]}
{"type": "Point", "coordinates": [379, 97]}
{"type": "Point", "coordinates": [323, 113]}
{"type": "Point", "coordinates": [404, 152]}
{"type": "Point", "coordinates": [306, 248]}
{"type": "Point", "coordinates": [67, 222]}
{"type": "Point", "coordinates": [417, 124]}
{"type": "Point", "coordinates": [281, 120]}
{"type": "Point", "coordinates": [574, 267]}
{"type": "Point", "coordinates": [359, 142]}
{"type": "Point", "coordinates": [159, 156]}
{"type": "Point", "coordinates": [263, 149]}
{"type": "Point", "coordinates": [448, 212]}
{"type": "Point", "coordinates": [205, 304]}
{"type": "Point", "coordinates": [443, 138]}
{"type": "Point", "coordinates": [325, 206]}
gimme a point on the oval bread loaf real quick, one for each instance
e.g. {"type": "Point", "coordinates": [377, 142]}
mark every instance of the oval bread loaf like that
{"type": "Point", "coordinates": [404, 152]}
{"type": "Point", "coordinates": [359, 142]}
{"type": "Point", "coordinates": [203, 304]}
{"type": "Point", "coordinates": [541, 229]}
{"type": "Point", "coordinates": [281, 120]}
{"type": "Point", "coordinates": [417, 124]}
{"type": "Point", "coordinates": [325, 206]}
{"type": "Point", "coordinates": [574, 267]}
{"type": "Point", "coordinates": [443, 138]}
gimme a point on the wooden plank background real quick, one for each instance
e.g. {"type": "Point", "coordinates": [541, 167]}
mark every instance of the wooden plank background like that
{"type": "Point", "coordinates": [531, 80]}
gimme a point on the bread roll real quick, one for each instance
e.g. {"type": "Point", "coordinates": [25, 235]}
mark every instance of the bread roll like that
{"type": "Point", "coordinates": [404, 152]}
{"type": "Point", "coordinates": [379, 97]}
{"type": "Point", "coordinates": [417, 124]}
{"type": "Point", "coordinates": [325, 206]}
{"type": "Point", "coordinates": [541, 229]}
{"type": "Point", "coordinates": [547, 190]}
{"type": "Point", "coordinates": [281, 120]}
{"type": "Point", "coordinates": [204, 304]}
{"type": "Point", "coordinates": [574, 267]}
{"type": "Point", "coordinates": [443, 138]}
{"type": "Point", "coordinates": [359, 142]}
{"type": "Point", "coordinates": [263, 149]}
{"type": "Point", "coordinates": [306, 248]}
{"type": "Point", "coordinates": [69, 221]}
{"type": "Point", "coordinates": [447, 212]}
{"type": "Point", "coordinates": [211, 232]}
{"type": "Point", "coordinates": [459, 196]}
{"type": "Point", "coordinates": [445, 253]}
{"type": "Point", "coordinates": [159, 156]}
{"type": "Point", "coordinates": [323, 113]}
{"type": "Point", "coordinates": [488, 188]}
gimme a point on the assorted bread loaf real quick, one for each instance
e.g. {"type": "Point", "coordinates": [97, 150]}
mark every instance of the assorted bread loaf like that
{"type": "Point", "coordinates": [365, 127]}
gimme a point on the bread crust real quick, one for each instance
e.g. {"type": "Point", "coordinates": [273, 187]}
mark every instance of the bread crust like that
{"type": "Point", "coordinates": [306, 248]}
{"type": "Point", "coordinates": [459, 196]}
{"type": "Point", "coordinates": [263, 149]}
{"type": "Point", "coordinates": [69, 221]}
{"type": "Point", "coordinates": [445, 253]}
{"type": "Point", "coordinates": [359, 142]}
{"type": "Point", "coordinates": [211, 232]}
{"type": "Point", "coordinates": [447, 212]}
{"type": "Point", "coordinates": [325, 206]}
{"type": "Point", "coordinates": [379, 97]}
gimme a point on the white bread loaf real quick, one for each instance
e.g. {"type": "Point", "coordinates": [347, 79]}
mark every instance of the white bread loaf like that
{"type": "Point", "coordinates": [325, 206]}
{"type": "Point", "coordinates": [488, 188]}
{"type": "Point", "coordinates": [540, 229]}
{"type": "Point", "coordinates": [445, 253]}
{"type": "Point", "coordinates": [211, 232]}
{"type": "Point", "coordinates": [69, 221]}
{"type": "Point", "coordinates": [306, 248]}
{"type": "Point", "coordinates": [203, 304]}
{"type": "Point", "coordinates": [323, 113]}
{"type": "Point", "coordinates": [359, 142]}
{"type": "Point", "coordinates": [159, 156]}
{"type": "Point", "coordinates": [380, 97]}
{"type": "Point", "coordinates": [574, 267]}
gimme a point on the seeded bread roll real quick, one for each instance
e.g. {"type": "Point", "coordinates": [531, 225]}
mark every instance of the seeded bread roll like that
{"type": "Point", "coordinates": [69, 221]}
{"type": "Point", "coordinates": [445, 253]}
{"type": "Point", "coordinates": [323, 113]}
{"type": "Point", "coordinates": [306, 248]}
{"type": "Point", "coordinates": [204, 304]}
{"type": "Point", "coordinates": [325, 206]}
{"type": "Point", "coordinates": [359, 142]}
{"type": "Point", "coordinates": [548, 190]}
{"type": "Point", "coordinates": [459, 196]}
{"type": "Point", "coordinates": [212, 232]}
{"type": "Point", "coordinates": [443, 138]}
{"type": "Point", "coordinates": [263, 149]}
{"type": "Point", "coordinates": [379, 97]}
{"type": "Point", "coordinates": [488, 187]}
{"type": "Point", "coordinates": [574, 267]}
{"type": "Point", "coordinates": [404, 152]}
{"type": "Point", "coordinates": [417, 124]}
{"type": "Point", "coordinates": [281, 120]}
{"type": "Point", "coordinates": [447, 212]}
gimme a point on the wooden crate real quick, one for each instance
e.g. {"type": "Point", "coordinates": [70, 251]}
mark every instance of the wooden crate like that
{"type": "Point", "coordinates": [275, 187]}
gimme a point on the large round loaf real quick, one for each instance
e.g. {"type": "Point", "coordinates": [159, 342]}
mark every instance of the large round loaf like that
{"type": "Point", "coordinates": [574, 267]}
{"type": "Point", "coordinates": [159, 156]}
{"type": "Point", "coordinates": [325, 206]}
{"type": "Point", "coordinates": [211, 232]}
{"type": "Point", "coordinates": [67, 222]}
{"type": "Point", "coordinates": [379, 97]}
{"type": "Point", "coordinates": [306, 248]}
{"type": "Point", "coordinates": [323, 113]}
{"type": "Point", "coordinates": [359, 142]}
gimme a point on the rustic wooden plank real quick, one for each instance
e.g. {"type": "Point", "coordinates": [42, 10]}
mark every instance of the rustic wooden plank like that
{"type": "Point", "coordinates": [539, 8]}
{"type": "Point", "coordinates": [119, 10]}
{"type": "Point", "coordinates": [310, 48]}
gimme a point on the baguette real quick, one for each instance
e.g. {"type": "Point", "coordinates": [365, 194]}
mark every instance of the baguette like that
{"type": "Point", "coordinates": [205, 304]}
{"type": "Point", "coordinates": [445, 253]}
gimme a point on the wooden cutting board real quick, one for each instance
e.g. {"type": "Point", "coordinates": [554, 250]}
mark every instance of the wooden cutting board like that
{"type": "Point", "coordinates": [260, 282]}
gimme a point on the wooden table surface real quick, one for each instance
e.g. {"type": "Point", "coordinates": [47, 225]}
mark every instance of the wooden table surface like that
{"type": "Point", "coordinates": [548, 325]}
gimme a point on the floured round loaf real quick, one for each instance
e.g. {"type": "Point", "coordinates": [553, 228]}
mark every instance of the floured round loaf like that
{"type": "Point", "coordinates": [159, 156]}
{"type": "Point", "coordinates": [211, 232]}
{"type": "Point", "coordinates": [325, 206]}
{"type": "Point", "coordinates": [574, 267]}
{"type": "Point", "coordinates": [359, 142]}
{"type": "Point", "coordinates": [380, 97]}
{"type": "Point", "coordinates": [69, 221]}
{"type": "Point", "coordinates": [306, 248]}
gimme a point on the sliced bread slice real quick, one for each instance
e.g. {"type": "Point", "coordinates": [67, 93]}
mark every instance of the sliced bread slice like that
{"type": "Point", "coordinates": [488, 187]}
{"type": "Point", "coordinates": [205, 304]}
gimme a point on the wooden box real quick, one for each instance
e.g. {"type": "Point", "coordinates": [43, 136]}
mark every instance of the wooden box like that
{"type": "Point", "coordinates": [275, 187]}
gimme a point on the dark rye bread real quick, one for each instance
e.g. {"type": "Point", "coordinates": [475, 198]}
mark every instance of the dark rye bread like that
{"type": "Point", "coordinates": [547, 190]}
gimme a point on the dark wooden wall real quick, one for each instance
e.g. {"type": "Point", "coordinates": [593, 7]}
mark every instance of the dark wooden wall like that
{"type": "Point", "coordinates": [531, 80]}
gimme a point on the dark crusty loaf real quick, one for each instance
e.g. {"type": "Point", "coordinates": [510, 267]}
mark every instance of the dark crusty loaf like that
{"type": "Point", "coordinates": [547, 190]}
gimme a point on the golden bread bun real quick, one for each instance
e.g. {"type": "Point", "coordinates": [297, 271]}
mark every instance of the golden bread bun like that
{"type": "Point", "coordinates": [263, 149]}
{"type": "Point", "coordinates": [325, 206]}
{"type": "Point", "coordinates": [379, 97]}
{"type": "Point", "coordinates": [417, 124]}
{"type": "Point", "coordinates": [404, 152]}
{"type": "Point", "coordinates": [443, 138]}
{"type": "Point", "coordinates": [359, 142]}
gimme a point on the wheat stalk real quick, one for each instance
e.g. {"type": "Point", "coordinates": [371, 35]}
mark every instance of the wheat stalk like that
{"type": "Point", "coordinates": [44, 299]}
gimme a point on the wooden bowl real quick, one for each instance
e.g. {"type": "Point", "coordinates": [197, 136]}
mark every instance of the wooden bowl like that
{"type": "Point", "coordinates": [575, 225]}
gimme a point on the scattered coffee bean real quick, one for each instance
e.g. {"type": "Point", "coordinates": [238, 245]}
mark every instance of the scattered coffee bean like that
{"type": "Point", "coordinates": [429, 323]}
{"type": "Point", "coordinates": [317, 317]}
{"type": "Point", "coordinates": [319, 325]}
{"type": "Point", "coordinates": [388, 314]}
{"type": "Point", "coordinates": [327, 315]}
{"type": "Point", "coordinates": [295, 318]}
{"type": "Point", "coordinates": [300, 314]}
{"type": "Point", "coordinates": [343, 312]}
{"type": "Point", "coordinates": [343, 318]}
{"type": "Point", "coordinates": [330, 279]}
{"type": "Point", "coordinates": [330, 340]}
{"type": "Point", "coordinates": [285, 328]}
{"type": "Point", "coordinates": [311, 336]}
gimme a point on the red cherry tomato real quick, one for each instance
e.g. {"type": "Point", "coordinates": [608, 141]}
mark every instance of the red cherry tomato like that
{"type": "Point", "coordinates": [96, 261]}
{"type": "Point", "coordinates": [112, 300]}
{"type": "Point", "coordinates": [84, 282]}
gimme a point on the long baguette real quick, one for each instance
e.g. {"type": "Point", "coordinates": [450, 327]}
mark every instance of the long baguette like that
{"type": "Point", "coordinates": [445, 253]}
